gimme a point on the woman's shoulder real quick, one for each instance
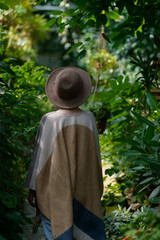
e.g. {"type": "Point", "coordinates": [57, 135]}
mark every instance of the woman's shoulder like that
{"type": "Point", "coordinates": [89, 114]}
{"type": "Point", "coordinates": [48, 116]}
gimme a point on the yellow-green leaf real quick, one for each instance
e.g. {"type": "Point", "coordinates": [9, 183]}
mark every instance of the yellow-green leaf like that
{"type": "Point", "coordinates": [113, 15]}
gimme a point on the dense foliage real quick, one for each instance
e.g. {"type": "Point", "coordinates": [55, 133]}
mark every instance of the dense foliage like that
{"type": "Point", "coordinates": [21, 109]}
{"type": "Point", "coordinates": [22, 103]}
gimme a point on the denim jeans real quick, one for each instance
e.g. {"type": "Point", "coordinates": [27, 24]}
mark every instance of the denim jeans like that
{"type": "Point", "coordinates": [46, 226]}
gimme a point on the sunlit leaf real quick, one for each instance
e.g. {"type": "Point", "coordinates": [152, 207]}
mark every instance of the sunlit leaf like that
{"type": "Point", "coordinates": [113, 15]}
{"type": "Point", "coordinates": [50, 22]}
{"type": "Point", "coordinates": [74, 47]}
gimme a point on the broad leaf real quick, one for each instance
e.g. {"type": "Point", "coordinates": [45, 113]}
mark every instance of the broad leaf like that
{"type": "Point", "coordinates": [82, 54]}
{"type": "Point", "coordinates": [147, 174]}
{"type": "Point", "coordinates": [56, 12]}
{"type": "Point", "coordinates": [39, 2]}
{"type": "Point", "coordinates": [106, 38]}
{"type": "Point", "coordinates": [74, 47]}
{"type": "Point", "coordinates": [155, 192]}
{"type": "Point", "coordinates": [154, 143]}
{"type": "Point", "coordinates": [113, 15]}
{"type": "Point", "coordinates": [152, 102]}
{"type": "Point", "coordinates": [148, 133]}
{"type": "Point", "coordinates": [50, 22]}
{"type": "Point", "coordinates": [130, 153]}
{"type": "Point", "coordinates": [155, 200]}
{"type": "Point", "coordinates": [113, 84]}
{"type": "Point", "coordinates": [146, 180]}
{"type": "Point", "coordinates": [6, 68]}
{"type": "Point", "coordinates": [150, 160]}
{"type": "Point", "coordinates": [142, 119]}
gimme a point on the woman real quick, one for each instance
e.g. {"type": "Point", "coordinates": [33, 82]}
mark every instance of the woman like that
{"type": "Point", "coordinates": [65, 174]}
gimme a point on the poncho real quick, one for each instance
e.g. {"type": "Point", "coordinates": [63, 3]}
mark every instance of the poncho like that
{"type": "Point", "coordinates": [66, 173]}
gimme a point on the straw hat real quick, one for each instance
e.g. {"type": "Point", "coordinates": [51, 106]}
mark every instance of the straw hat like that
{"type": "Point", "coordinates": [68, 87]}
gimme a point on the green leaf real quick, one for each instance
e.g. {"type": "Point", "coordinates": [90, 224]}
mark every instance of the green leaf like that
{"type": "Point", "coordinates": [154, 143]}
{"type": "Point", "coordinates": [113, 15]}
{"type": "Point", "coordinates": [148, 133]}
{"type": "Point", "coordinates": [82, 54]}
{"type": "Point", "coordinates": [6, 68]}
{"type": "Point", "coordinates": [132, 142]}
{"type": "Point", "coordinates": [69, 12]}
{"type": "Point", "coordinates": [56, 12]}
{"type": "Point", "coordinates": [106, 38]}
{"type": "Point", "coordinates": [155, 192]}
{"type": "Point", "coordinates": [56, 2]}
{"type": "Point", "coordinates": [138, 168]}
{"type": "Point", "coordinates": [50, 22]}
{"type": "Point", "coordinates": [130, 153]}
{"type": "Point", "coordinates": [39, 2]}
{"type": "Point", "coordinates": [152, 101]}
{"type": "Point", "coordinates": [108, 22]}
{"type": "Point", "coordinates": [155, 200]}
{"type": "Point", "coordinates": [59, 20]}
{"type": "Point", "coordinates": [144, 188]}
{"type": "Point", "coordinates": [113, 84]}
{"type": "Point", "coordinates": [3, 6]}
{"type": "Point", "coordinates": [146, 180]}
{"type": "Point", "coordinates": [150, 160]}
{"type": "Point", "coordinates": [74, 47]}
{"type": "Point", "coordinates": [149, 173]}
{"type": "Point", "coordinates": [142, 119]}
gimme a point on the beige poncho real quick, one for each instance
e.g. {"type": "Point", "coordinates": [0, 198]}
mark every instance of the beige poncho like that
{"type": "Point", "coordinates": [66, 173]}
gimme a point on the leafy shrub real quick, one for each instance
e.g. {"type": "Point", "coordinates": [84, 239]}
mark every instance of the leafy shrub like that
{"type": "Point", "coordinates": [144, 227]}
{"type": "Point", "coordinates": [22, 104]}
{"type": "Point", "coordinates": [118, 219]}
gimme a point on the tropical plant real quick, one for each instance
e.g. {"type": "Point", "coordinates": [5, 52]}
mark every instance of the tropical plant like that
{"type": "Point", "coordinates": [149, 77]}
{"type": "Point", "coordinates": [144, 227]}
{"type": "Point", "coordinates": [119, 219]}
{"type": "Point", "coordinates": [143, 155]}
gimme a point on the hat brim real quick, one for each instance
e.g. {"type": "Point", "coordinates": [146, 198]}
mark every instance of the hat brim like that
{"type": "Point", "coordinates": [78, 100]}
